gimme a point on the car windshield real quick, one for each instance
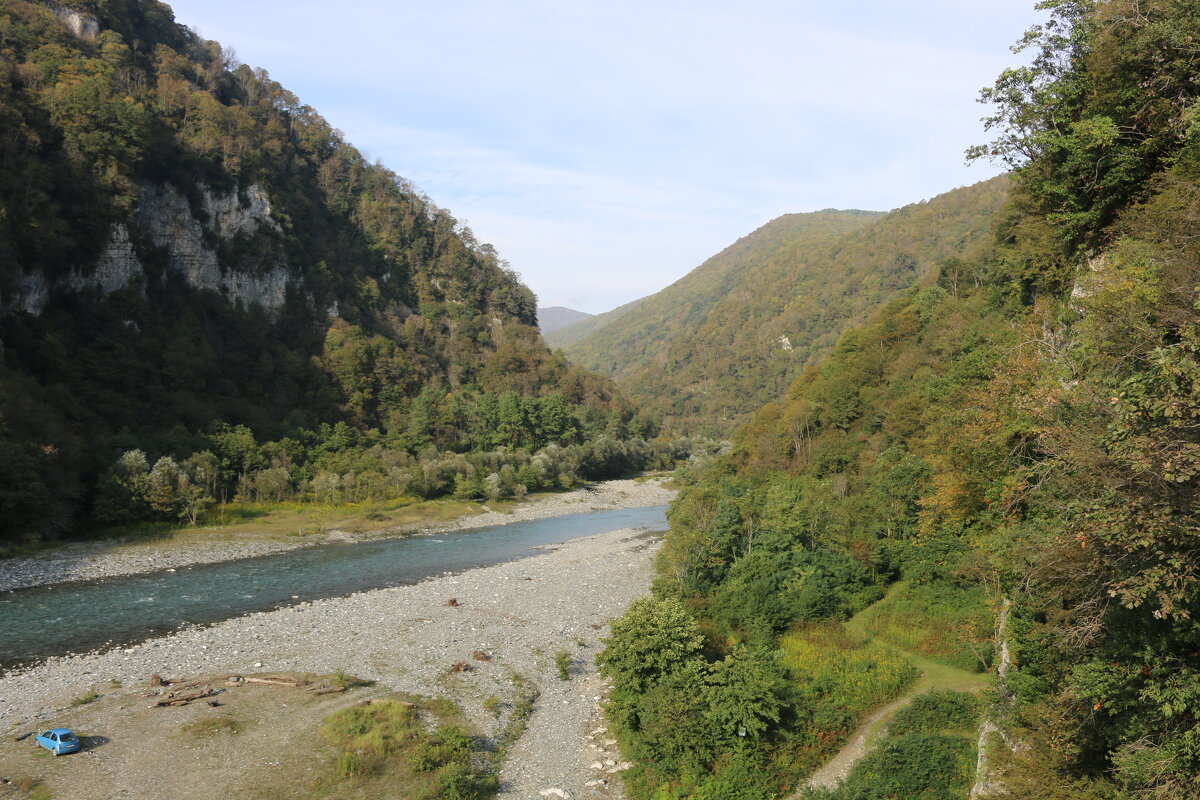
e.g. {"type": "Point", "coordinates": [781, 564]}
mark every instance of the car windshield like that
{"type": "Point", "coordinates": [66, 737]}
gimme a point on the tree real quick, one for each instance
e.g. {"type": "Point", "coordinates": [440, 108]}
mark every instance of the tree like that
{"type": "Point", "coordinates": [653, 637]}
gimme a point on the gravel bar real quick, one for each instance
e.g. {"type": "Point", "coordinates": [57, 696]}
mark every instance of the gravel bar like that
{"type": "Point", "coordinates": [87, 561]}
{"type": "Point", "coordinates": [520, 614]}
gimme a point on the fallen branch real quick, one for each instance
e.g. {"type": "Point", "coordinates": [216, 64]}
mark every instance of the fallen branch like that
{"type": "Point", "coordinates": [293, 683]}
{"type": "Point", "coordinates": [182, 700]}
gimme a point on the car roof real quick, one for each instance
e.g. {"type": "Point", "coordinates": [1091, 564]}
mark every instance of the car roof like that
{"type": "Point", "coordinates": [60, 730]}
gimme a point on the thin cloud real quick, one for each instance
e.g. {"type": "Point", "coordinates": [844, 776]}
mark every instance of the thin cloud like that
{"type": "Point", "coordinates": [605, 148]}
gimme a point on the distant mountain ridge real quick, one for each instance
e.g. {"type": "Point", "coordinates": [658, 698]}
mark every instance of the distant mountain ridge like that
{"type": "Point", "coordinates": [552, 318]}
{"type": "Point", "coordinates": [733, 333]}
{"type": "Point", "coordinates": [572, 333]}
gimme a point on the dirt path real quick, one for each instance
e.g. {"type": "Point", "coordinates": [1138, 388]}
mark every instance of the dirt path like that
{"type": "Point", "coordinates": [838, 767]}
{"type": "Point", "coordinates": [934, 675]}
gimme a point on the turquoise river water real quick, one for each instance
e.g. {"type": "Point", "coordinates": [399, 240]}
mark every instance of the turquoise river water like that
{"type": "Point", "coordinates": [85, 615]}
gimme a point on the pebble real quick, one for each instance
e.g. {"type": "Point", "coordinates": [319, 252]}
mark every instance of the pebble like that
{"type": "Point", "coordinates": [405, 643]}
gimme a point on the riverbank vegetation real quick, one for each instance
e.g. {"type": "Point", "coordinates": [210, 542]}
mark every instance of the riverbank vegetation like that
{"type": "Point", "coordinates": [403, 747]}
{"type": "Point", "coordinates": [207, 293]}
{"type": "Point", "coordinates": [1018, 425]}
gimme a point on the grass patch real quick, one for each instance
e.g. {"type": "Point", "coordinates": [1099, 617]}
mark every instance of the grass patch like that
{"type": "Point", "coordinates": [838, 677]}
{"type": "Point", "coordinates": [928, 753]}
{"type": "Point", "coordinates": [848, 674]}
{"type": "Point", "coordinates": [916, 765]}
{"type": "Point", "coordinates": [518, 717]}
{"type": "Point", "coordinates": [949, 624]}
{"type": "Point", "coordinates": [91, 697]}
{"type": "Point", "coordinates": [344, 680]}
{"type": "Point", "coordinates": [562, 660]}
{"type": "Point", "coordinates": [937, 711]}
{"type": "Point", "coordinates": [33, 786]}
{"type": "Point", "coordinates": [405, 747]}
{"type": "Point", "coordinates": [214, 726]}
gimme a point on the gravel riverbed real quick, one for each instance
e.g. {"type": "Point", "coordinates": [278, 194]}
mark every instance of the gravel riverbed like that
{"type": "Point", "coordinates": [106, 559]}
{"type": "Point", "coordinates": [520, 614]}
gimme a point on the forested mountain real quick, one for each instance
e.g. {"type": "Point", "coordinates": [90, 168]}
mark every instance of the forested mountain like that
{"type": "Point", "coordinates": [1001, 470]}
{"type": "Point", "coordinates": [553, 318]}
{"type": "Point", "coordinates": [734, 332]}
{"type": "Point", "coordinates": [572, 333]}
{"type": "Point", "coordinates": [198, 273]}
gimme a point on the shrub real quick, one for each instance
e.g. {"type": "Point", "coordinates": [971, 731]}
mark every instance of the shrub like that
{"type": "Point", "coordinates": [562, 660]}
{"type": "Point", "coordinates": [912, 767]}
{"type": "Point", "coordinates": [936, 711]}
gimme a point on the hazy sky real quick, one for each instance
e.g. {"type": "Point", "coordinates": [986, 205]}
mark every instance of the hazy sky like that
{"type": "Point", "coordinates": [607, 147]}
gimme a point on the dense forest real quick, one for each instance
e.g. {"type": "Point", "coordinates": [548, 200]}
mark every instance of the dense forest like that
{"type": "Point", "coordinates": [206, 293]}
{"type": "Point", "coordinates": [997, 472]}
{"type": "Point", "coordinates": [707, 351]}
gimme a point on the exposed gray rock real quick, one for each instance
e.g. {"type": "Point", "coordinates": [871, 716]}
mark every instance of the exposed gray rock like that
{"type": "Point", "coordinates": [118, 265]}
{"type": "Point", "coordinates": [84, 26]}
{"type": "Point", "coordinates": [168, 221]}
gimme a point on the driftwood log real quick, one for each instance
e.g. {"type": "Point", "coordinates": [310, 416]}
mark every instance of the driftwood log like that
{"type": "Point", "coordinates": [173, 699]}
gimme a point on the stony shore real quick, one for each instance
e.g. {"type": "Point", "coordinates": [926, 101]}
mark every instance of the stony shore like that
{"type": "Point", "coordinates": [519, 614]}
{"type": "Point", "coordinates": [86, 561]}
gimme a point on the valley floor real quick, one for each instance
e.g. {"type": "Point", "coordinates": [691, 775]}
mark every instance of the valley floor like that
{"type": "Point", "coordinates": [517, 616]}
{"type": "Point", "coordinates": [132, 555]}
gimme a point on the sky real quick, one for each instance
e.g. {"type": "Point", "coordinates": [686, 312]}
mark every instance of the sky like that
{"type": "Point", "coordinates": [608, 147]}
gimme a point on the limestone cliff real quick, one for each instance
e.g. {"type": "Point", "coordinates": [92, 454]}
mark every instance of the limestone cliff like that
{"type": "Point", "coordinates": [166, 220]}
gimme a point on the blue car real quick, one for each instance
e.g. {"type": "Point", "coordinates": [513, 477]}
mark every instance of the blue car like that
{"type": "Point", "coordinates": [59, 741]}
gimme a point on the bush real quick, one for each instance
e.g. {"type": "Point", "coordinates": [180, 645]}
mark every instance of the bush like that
{"type": "Point", "coordinates": [912, 767]}
{"type": "Point", "coordinates": [936, 711]}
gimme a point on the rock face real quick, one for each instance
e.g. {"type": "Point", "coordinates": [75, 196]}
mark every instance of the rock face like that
{"type": "Point", "coordinates": [189, 238]}
{"type": "Point", "coordinates": [84, 26]}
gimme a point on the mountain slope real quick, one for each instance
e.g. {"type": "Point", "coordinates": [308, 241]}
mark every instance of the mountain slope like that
{"type": "Point", "coordinates": [1016, 457]}
{"type": "Point", "coordinates": [553, 318]}
{"type": "Point", "coordinates": [562, 337]}
{"type": "Point", "coordinates": [732, 334]}
{"type": "Point", "coordinates": [184, 245]}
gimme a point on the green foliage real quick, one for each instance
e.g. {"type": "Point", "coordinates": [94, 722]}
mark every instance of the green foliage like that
{"type": "Point", "coordinates": [842, 677]}
{"type": "Point", "coordinates": [704, 353]}
{"type": "Point", "coordinates": [947, 622]}
{"type": "Point", "coordinates": [562, 660]}
{"type": "Point", "coordinates": [915, 766]}
{"type": "Point", "coordinates": [652, 638]}
{"type": "Point", "coordinates": [399, 328]}
{"type": "Point", "coordinates": [928, 753]}
{"type": "Point", "coordinates": [1022, 424]}
{"type": "Point", "coordinates": [702, 726]}
{"type": "Point", "coordinates": [388, 748]}
{"type": "Point", "coordinates": [937, 711]}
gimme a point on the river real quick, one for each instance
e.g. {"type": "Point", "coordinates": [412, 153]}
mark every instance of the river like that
{"type": "Point", "coordinates": [75, 617]}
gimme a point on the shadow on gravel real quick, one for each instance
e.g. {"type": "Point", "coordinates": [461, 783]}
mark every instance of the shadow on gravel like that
{"type": "Point", "coordinates": [93, 742]}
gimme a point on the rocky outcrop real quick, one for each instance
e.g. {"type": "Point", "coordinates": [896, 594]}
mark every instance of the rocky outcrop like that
{"type": "Point", "coordinates": [84, 26]}
{"type": "Point", "coordinates": [168, 220]}
{"type": "Point", "coordinates": [188, 236]}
